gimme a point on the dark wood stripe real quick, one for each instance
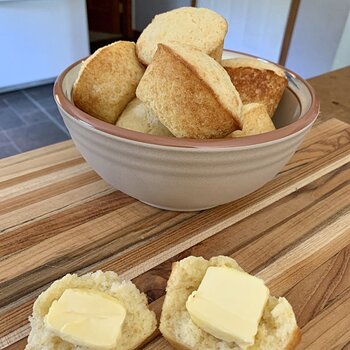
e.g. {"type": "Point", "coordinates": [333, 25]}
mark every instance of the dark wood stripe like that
{"type": "Point", "coordinates": [48, 191]}
{"type": "Point", "coordinates": [16, 317]}
{"type": "Point", "coordinates": [113, 243]}
{"type": "Point", "coordinates": [33, 233]}
{"type": "Point", "coordinates": [34, 155]}
{"type": "Point", "coordinates": [321, 288]}
{"type": "Point", "coordinates": [329, 329]}
{"type": "Point", "coordinates": [20, 345]}
{"type": "Point", "coordinates": [308, 152]}
{"type": "Point", "coordinates": [16, 181]}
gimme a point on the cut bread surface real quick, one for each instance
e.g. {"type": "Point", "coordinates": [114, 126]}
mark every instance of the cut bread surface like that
{"type": "Point", "coordinates": [277, 330]}
{"type": "Point", "coordinates": [240, 62]}
{"type": "Point", "coordinates": [257, 81]}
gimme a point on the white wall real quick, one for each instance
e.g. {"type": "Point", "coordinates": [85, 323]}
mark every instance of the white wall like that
{"type": "Point", "coordinates": [342, 56]}
{"type": "Point", "coordinates": [255, 27]}
{"type": "Point", "coordinates": [39, 38]}
{"type": "Point", "coordinates": [317, 33]}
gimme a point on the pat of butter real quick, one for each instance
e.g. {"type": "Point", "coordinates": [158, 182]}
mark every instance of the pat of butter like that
{"type": "Point", "coordinates": [229, 305]}
{"type": "Point", "coordinates": [87, 318]}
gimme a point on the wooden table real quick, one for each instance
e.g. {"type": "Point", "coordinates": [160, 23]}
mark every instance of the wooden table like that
{"type": "Point", "coordinates": [57, 216]}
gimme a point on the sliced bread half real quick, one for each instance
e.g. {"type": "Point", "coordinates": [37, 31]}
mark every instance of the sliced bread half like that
{"type": "Point", "coordinates": [139, 322]}
{"type": "Point", "coordinates": [107, 81]}
{"type": "Point", "coordinates": [257, 81]}
{"type": "Point", "coordinates": [191, 93]}
{"type": "Point", "coordinates": [277, 329]}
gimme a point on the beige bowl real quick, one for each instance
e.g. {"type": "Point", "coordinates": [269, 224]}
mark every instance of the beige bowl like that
{"type": "Point", "coordinates": [186, 174]}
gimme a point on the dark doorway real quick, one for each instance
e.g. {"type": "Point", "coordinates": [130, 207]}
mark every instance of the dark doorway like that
{"type": "Point", "coordinates": [109, 21]}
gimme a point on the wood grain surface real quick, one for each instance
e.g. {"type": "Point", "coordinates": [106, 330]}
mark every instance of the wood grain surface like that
{"type": "Point", "coordinates": [332, 89]}
{"type": "Point", "coordinates": [57, 216]}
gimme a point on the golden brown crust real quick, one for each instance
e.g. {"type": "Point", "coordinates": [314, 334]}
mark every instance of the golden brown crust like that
{"type": "Point", "coordinates": [258, 85]}
{"type": "Point", "coordinates": [107, 81]}
{"type": "Point", "coordinates": [295, 340]}
{"type": "Point", "coordinates": [182, 100]}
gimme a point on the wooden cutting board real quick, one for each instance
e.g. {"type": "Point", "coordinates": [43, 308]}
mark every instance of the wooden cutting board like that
{"type": "Point", "coordinates": [57, 216]}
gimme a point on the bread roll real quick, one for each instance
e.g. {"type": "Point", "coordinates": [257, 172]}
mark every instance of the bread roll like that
{"type": "Point", "coordinates": [199, 27]}
{"type": "Point", "coordinates": [277, 329]}
{"type": "Point", "coordinates": [138, 118]}
{"type": "Point", "coordinates": [191, 93]}
{"type": "Point", "coordinates": [107, 81]}
{"type": "Point", "coordinates": [257, 81]}
{"type": "Point", "coordinates": [139, 323]}
{"type": "Point", "coordinates": [256, 120]}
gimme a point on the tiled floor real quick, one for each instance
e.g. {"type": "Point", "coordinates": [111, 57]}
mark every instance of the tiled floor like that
{"type": "Point", "coordinates": [29, 119]}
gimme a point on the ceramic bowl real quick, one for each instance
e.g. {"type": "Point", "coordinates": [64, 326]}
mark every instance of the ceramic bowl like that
{"type": "Point", "coordinates": [186, 174]}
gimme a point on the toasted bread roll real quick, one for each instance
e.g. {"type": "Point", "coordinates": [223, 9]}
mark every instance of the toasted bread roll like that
{"type": "Point", "coordinates": [191, 93]}
{"type": "Point", "coordinates": [277, 329]}
{"type": "Point", "coordinates": [257, 81]}
{"type": "Point", "coordinates": [199, 27]}
{"type": "Point", "coordinates": [139, 322]}
{"type": "Point", "coordinates": [138, 118]}
{"type": "Point", "coordinates": [107, 81]}
{"type": "Point", "coordinates": [256, 120]}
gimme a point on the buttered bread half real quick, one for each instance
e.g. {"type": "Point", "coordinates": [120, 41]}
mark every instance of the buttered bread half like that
{"type": "Point", "coordinates": [191, 93]}
{"type": "Point", "coordinates": [198, 27]}
{"type": "Point", "coordinates": [96, 311]}
{"type": "Point", "coordinates": [107, 81]}
{"type": "Point", "coordinates": [257, 81]}
{"type": "Point", "coordinates": [213, 304]}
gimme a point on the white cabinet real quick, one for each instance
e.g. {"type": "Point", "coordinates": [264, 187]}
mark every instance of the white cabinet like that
{"type": "Point", "coordinates": [39, 38]}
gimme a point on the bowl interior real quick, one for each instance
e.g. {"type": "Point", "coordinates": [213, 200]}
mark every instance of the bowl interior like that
{"type": "Point", "coordinates": [297, 101]}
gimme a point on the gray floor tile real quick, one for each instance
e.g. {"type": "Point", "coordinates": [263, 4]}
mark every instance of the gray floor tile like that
{"type": "Point", "coordinates": [3, 138]}
{"type": "Point", "coordinates": [9, 119]}
{"type": "Point", "coordinates": [40, 91]}
{"type": "Point", "coordinates": [2, 102]}
{"type": "Point", "coordinates": [7, 150]}
{"type": "Point", "coordinates": [46, 102]}
{"type": "Point", "coordinates": [11, 96]}
{"type": "Point", "coordinates": [34, 117]}
{"type": "Point", "coordinates": [36, 135]}
{"type": "Point", "coordinates": [54, 112]}
{"type": "Point", "coordinates": [19, 102]}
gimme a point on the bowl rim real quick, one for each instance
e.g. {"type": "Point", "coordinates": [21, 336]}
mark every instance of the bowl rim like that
{"type": "Point", "coordinates": [87, 120]}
